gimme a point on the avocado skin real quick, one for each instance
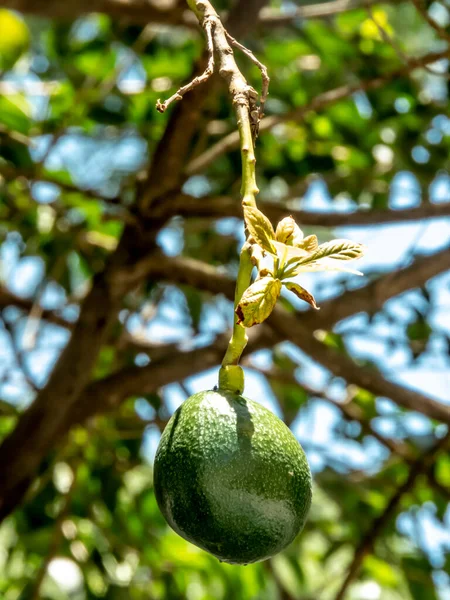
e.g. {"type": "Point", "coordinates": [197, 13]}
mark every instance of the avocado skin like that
{"type": "Point", "coordinates": [231, 478]}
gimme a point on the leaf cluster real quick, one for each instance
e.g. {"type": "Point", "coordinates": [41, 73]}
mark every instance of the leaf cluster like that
{"type": "Point", "coordinates": [291, 253]}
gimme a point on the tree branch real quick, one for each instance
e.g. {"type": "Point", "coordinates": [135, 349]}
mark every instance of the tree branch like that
{"type": "Point", "coordinates": [38, 426]}
{"type": "Point", "coordinates": [352, 412]}
{"type": "Point", "coordinates": [299, 328]}
{"type": "Point", "coordinates": [373, 296]}
{"type": "Point", "coordinates": [140, 11]}
{"type": "Point", "coordinates": [227, 206]}
{"type": "Point", "coordinates": [289, 327]}
{"type": "Point", "coordinates": [369, 298]}
{"type": "Point", "coordinates": [170, 157]}
{"type": "Point", "coordinates": [7, 298]}
{"type": "Point", "coordinates": [274, 18]}
{"type": "Point", "coordinates": [319, 102]}
{"type": "Point", "coordinates": [423, 12]}
{"type": "Point", "coordinates": [366, 544]}
{"type": "Point", "coordinates": [108, 393]}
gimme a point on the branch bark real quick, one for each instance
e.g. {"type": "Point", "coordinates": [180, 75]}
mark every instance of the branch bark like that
{"type": "Point", "coordinates": [108, 393]}
{"type": "Point", "coordinates": [288, 327]}
{"type": "Point", "coordinates": [369, 298]}
{"type": "Point", "coordinates": [38, 427]}
{"type": "Point", "coordinates": [366, 544]}
{"type": "Point", "coordinates": [299, 328]}
{"type": "Point", "coordinates": [7, 298]}
{"type": "Point", "coordinates": [227, 206]}
{"type": "Point", "coordinates": [140, 11]}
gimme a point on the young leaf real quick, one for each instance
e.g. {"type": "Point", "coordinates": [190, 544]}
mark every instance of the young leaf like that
{"type": "Point", "coordinates": [301, 293]}
{"type": "Point", "coordinates": [336, 250]}
{"type": "Point", "coordinates": [288, 254]}
{"type": "Point", "coordinates": [260, 228]}
{"type": "Point", "coordinates": [309, 243]}
{"type": "Point", "coordinates": [288, 232]}
{"type": "Point", "coordinates": [285, 230]}
{"type": "Point", "coordinates": [324, 264]}
{"type": "Point", "coordinates": [258, 301]}
{"type": "Point", "coordinates": [327, 257]}
{"type": "Point", "coordinates": [328, 264]}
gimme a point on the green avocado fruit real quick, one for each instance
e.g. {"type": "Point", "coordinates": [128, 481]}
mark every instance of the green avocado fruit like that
{"type": "Point", "coordinates": [231, 478]}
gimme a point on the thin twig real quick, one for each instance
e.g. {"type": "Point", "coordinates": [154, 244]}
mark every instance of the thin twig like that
{"type": "Point", "coordinates": [228, 206]}
{"type": "Point", "coordinates": [16, 135]}
{"type": "Point", "coordinates": [441, 31]}
{"type": "Point", "coordinates": [162, 106]}
{"type": "Point", "coordinates": [19, 355]}
{"type": "Point", "coordinates": [273, 17]}
{"type": "Point", "coordinates": [264, 73]}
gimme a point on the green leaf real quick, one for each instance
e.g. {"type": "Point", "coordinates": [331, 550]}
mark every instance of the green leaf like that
{"type": "Point", "coordinates": [289, 254]}
{"type": "Point", "coordinates": [258, 301]}
{"type": "Point", "coordinates": [327, 257]}
{"type": "Point", "coordinates": [443, 469]}
{"type": "Point", "coordinates": [301, 293]}
{"type": "Point", "coordinates": [14, 113]}
{"type": "Point", "coordinates": [260, 228]}
{"type": "Point", "coordinates": [14, 38]}
{"type": "Point", "coordinates": [419, 578]}
{"type": "Point", "coordinates": [338, 250]}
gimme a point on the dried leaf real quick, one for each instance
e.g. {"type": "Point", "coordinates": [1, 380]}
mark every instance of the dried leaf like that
{"type": "Point", "coordinates": [301, 293]}
{"type": "Point", "coordinates": [258, 301]}
{"type": "Point", "coordinates": [260, 228]}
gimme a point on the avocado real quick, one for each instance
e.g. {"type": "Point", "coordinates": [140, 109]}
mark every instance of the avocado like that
{"type": "Point", "coordinates": [231, 478]}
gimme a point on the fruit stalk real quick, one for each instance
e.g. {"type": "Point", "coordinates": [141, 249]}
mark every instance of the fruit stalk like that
{"type": "Point", "coordinates": [231, 375]}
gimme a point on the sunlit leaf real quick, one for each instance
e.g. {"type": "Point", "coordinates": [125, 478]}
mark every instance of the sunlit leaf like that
{"type": "Point", "coordinates": [288, 232]}
{"type": "Point", "coordinates": [309, 243]}
{"type": "Point", "coordinates": [327, 257]}
{"type": "Point", "coordinates": [259, 228]}
{"type": "Point", "coordinates": [258, 301]}
{"type": "Point", "coordinates": [338, 250]}
{"type": "Point", "coordinates": [14, 38]}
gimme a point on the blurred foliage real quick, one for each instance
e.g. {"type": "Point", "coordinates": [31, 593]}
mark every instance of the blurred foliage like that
{"type": "Point", "coordinates": [77, 125]}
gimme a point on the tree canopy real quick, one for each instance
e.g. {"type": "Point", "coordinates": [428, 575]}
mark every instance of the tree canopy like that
{"type": "Point", "coordinates": [120, 233]}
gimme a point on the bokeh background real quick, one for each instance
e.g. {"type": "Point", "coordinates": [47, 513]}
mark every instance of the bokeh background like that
{"type": "Point", "coordinates": [355, 144]}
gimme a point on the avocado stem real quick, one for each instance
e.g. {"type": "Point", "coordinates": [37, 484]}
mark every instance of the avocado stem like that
{"type": "Point", "coordinates": [239, 338]}
{"type": "Point", "coordinates": [249, 190]}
